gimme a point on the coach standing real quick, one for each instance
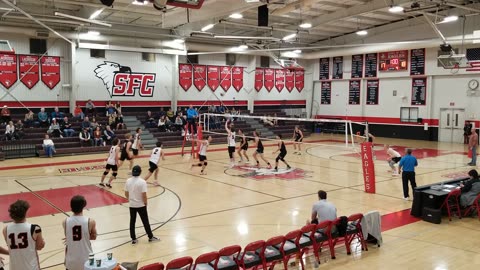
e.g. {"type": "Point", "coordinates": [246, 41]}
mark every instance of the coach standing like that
{"type": "Point", "coordinates": [472, 145]}
{"type": "Point", "coordinates": [407, 167]}
{"type": "Point", "coordinates": [136, 193]}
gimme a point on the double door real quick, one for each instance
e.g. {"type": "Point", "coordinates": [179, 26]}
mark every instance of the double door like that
{"type": "Point", "coordinates": [451, 126]}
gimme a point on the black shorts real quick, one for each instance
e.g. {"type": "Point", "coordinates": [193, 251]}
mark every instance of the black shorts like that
{"type": "Point", "coordinates": [231, 150]}
{"type": "Point", "coordinates": [281, 156]}
{"type": "Point", "coordinates": [245, 147]}
{"type": "Point", "coordinates": [202, 158]}
{"type": "Point", "coordinates": [124, 156]}
{"type": "Point", "coordinates": [135, 152]}
{"type": "Point", "coordinates": [298, 139]}
{"type": "Point", "coordinates": [153, 167]}
{"type": "Point", "coordinates": [259, 150]}
{"type": "Point", "coordinates": [396, 159]}
{"type": "Point", "coordinates": [111, 167]}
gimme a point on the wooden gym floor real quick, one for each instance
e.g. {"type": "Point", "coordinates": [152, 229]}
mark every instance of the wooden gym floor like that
{"type": "Point", "coordinates": [194, 214]}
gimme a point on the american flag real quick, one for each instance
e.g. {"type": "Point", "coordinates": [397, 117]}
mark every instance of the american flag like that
{"type": "Point", "coordinates": [473, 56]}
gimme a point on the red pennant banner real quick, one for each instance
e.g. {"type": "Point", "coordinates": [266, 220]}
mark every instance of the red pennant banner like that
{"type": "Point", "coordinates": [50, 71]}
{"type": "Point", "coordinates": [258, 79]}
{"type": "Point", "coordinates": [199, 76]}
{"type": "Point", "coordinates": [279, 79]}
{"type": "Point", "coordinates": [289, 79]}
{"type": "Point", "coordinates": [8, 69]}
{"type": "Point", "coordinates": [185, 74]}
{"type": "Point", "coordinates": [213, 75]}
{"type": "Point", "coordinates": [225, 78]}
{"type": "Point", "coordinates": [299, 80]}
{"type": "Point", "coordinates": [269, 78]}
{"type": "Point", "coordinates": [237, 78]}
{"type": "Point", "coordinates": [29, 70]}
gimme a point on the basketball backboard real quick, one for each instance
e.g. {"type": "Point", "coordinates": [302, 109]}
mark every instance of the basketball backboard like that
{"type": "Point", "coordinates": [195, 4]}
{"type": "Point", "coordinates": [5, 46]}
{"type": "Point", "coordinates": [454, 61]}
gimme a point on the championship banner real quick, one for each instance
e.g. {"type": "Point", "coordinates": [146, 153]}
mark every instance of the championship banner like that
{"type": "Point", "coordinates": [185, 74]}
{"type": "Point", "coordinates": [29, 70]}
{"type": "Point", "coordinates": [225, 78]}
{"type": "Point", "coordinates": [279, 79]}
{"type": "Point", "coordinates": [289, 79]}
{"type": "Point", "coordinates": [237, 78]}
{"type": "Point", "coordinates": [213, 75]}
{"type": "Point", "coordinates": [258, 79]}
{"type": "Point", "coordinates": [299, 80]}
{"type": "Point", "coordinates": [368, 167]}
{"type": "Point", "coordinates": [269, 78]}
{"type": "Point", "coordinates": [50, 66]}
{"type": "Point", "coordinates": [8, 69]}
{"type": "Point", "coordinates": [199, 76]}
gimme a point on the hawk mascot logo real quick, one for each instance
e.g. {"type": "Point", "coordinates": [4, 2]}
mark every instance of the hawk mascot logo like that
{"type": "Point", "coordinates": [121, 81]}
{"type": "Point", "coordinates": [256, 173]}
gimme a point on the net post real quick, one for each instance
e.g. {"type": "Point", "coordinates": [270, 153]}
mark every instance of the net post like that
{"type": "Point", "coordinates": [346, 134]}
{"type": "Point", "coordinates": [351, 133]}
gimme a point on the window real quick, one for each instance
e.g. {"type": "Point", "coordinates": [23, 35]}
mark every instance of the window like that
{"type": "Point", "coordinates": [440, 52]}
{"type": "Point", "coordinates": [409, 114]}
{"type": "Point", "coordinates": [264, 61]}
{"type": "Point", "coordinates": [38, 46]}
{"type": "Point", "coordinates": [230, 59]}
{"type": "Point", "coordinates": [192, 59]}
{"type": "Point", "coordinates": [149, 57]}
{"type": "Point", "coordinates": [95, 53]}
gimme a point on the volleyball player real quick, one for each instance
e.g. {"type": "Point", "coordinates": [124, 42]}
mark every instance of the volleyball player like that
{"type": "Point", "coordinates": [125, 152]}
{"type": "Point", "coordinates": [298, 138]}
{"type": "Point", "coordinates": [112, 163]}
{"type": "Point", "coordinates": [393, 158]}
{"type": "Point", "coordinates": [231, 142]}
{"type": "Point", "coordinates": [202, 155]}
{"type": "Point", "coordinates": [157, 153]}
{"type": "Point", "coordinates": [3, 251]}
{"type": "Point", "coordinates": [79, 230]}
{"type": "Point", "coordinates": [282, 154]}
{"type": "Point", "coordinates": [243, 146]}
{"type": "Point", "coordinates": [23, 239]}
{"type": "Point", "coordinates": [137, 142]}
{"type": "Point", "coordinates": [259, 151]}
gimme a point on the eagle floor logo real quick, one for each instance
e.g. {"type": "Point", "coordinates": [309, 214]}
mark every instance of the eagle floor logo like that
{"type": "Point", "coordinates": [257, 173]}
{"type": "Point", "coordinates": [121, 81]}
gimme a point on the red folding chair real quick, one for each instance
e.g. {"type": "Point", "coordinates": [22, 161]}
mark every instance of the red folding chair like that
{"type": "Point", "coordinates": [306, 240]}
{"type": "Point", "coordinates": [228, 257]}
{"type": "Point", "coordinates": [251, 257]}
{"type": "Point", "coordinates": [207, 261]}
{"type": "Point", "coordinates": [184, 263]}
{"type": "Point", "coordinates": [323, 237]}
{"type": "Point", "coordinates": [271, 253]}
{"type": "Point", "coordinates": [451, 203]}
{"type": "Point", "coordinates": [354, 231]}
{"type": "Point", "coordinates": [153, 266]}
{"type": "Point", "coordinates": [291, 248]}
{"type": "Point", "coordinates": [473, 207]}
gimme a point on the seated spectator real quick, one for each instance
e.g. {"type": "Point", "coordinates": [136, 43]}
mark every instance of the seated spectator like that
{"type": "Point", "coordinates": [266, 121]}
{"type": "Point", "coordinates": [57, 115]}
{"type": "Point", "coordinates": [110, 109]}
{"type": "Point", "coordinates": [78, 113]}
{"type": "Point", "coordinates": [170, 114]}
{"type": "Point", "coordinates": [10, 131]}
{"type": "Point", "coordinates": [119, 122]}
{"type": "Point", "coordinates": [54, 129]}
{"type": "Point", "coordinates": [150, 120]}
{"type": "Point", "coordinates": [118, 107]}
{"type": "Point", "coordinates": [162, 124]}
{"type": "Point", "coordinates": [274, 120]}
{"type": "Point", "coordinates": [19, 130]}
{"type": "Point", "coordinates": [470, 189]}
{"type": "Point", "coordinates": [162, 113]}
{"type": "Point", "coordinates": [97, 137]}
{"type": "Point", "coordinates": [178, 123]}
{"type": "Point", "coordinates": [111, 120]}
{"type": "Point", "coordinates": [323, 210]}
{"type": "Point", "coordinates": [85, 138]}
{"type": "Point", "coordinates": [5, 115]}
{"type": "Point", "coordinates": [90, 108]}
{"type": "Point", "coordinates": [86, 124]}
{"type": "Point", "coordinates": [29, 119]}
{"type": "Point", "coordinates": [108, 135]}
{"type": "Point", "coordinates": [93, 125]}
{"type": "Point", "coordinates": [66, 128]}
{"type": "Point", "coordinates": [48, 146]}
{"type": "Point", "coordinates": [43, 118]}
{"type": "Point", "coordinates": [168, 124]}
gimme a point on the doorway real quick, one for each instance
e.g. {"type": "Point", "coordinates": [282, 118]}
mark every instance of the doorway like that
{"type": "Point", "coordinates": [451, 125]}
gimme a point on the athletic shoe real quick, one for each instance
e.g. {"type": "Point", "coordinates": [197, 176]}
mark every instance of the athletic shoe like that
{"type": "Point", "coordinates": [109, 186]}
{"type": "Point", "coordinates": [269, 166]}
{"type": "Point", "coordinates": [406, 198]}
{"type": "Point", "coordinates": [203, 173]}
{"type": "Point", "coordinates": [155, 183]}
{"type": "Point", "coordinates": [153, 239]}
{"type": "Point", "coordinates": [134, 241]}
{"type": "Point", "coordinates": [471, 164]}
{"type": "Point", "coordinates": [102, 184]}
{"type": "Point", "coordinates": [276, 169]}
{"type": "Point", "coordinates": [288, 167]}
{"type": "Point", "coordinates": [395, 174]}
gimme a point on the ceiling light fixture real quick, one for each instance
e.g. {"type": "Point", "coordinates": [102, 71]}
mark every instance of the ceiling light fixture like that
{"type": "Point", "coordinates": [96, 14]}
{"type": "Point", "coordinates": [288, 37]}
{"type": "Point", "coordinates": [93, 33]}
{"type": "Point", "coordinates": [451, 18]}
{"type": "Point", "coordinates": [236, 16]}
{"type": "Point", "coordinates": [179, 41]}
{"type": "Point", "coordinates": [243, 47]}
{"type": "Point", "coordinates": [207, 27]}
{"type": "Point", "coordinates": [362, 33]}
{"type": "Point", "coordinates": [305, 25]}
{"type": "Point", "coordinates": [139, 2]}
{"type": "Point", "coordinates": [81, 19]}
{"type": "Point", "coordinates": [395, 9]}
{"type": "Point", "coordinates": [297, 51]}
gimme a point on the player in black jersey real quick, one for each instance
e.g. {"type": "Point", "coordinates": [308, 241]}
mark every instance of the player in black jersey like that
{"type": "Point", "coordinates": [282, 154]}
{"type": "Point", "coordinates": [243, 146]}
{"type": "Point", "coordinates": [125, 154]}
{"type": "Point", "coordinates": [259, 150]}
{"type": "Point", "coordinates": [298, 138]}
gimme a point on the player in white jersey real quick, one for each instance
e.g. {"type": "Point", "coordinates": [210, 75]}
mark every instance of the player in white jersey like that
{"type": "Point", "coordinates": [112, 163]}
{"type": "Point", "coordinates": [202, 155]}
{"type": "Point", "coordinates": [137, 142]}
{"type": "Point", "coordinates": [23, 239]}
{"type": "Point", "coordinates": [231, 142]}
{"type": "Point", "coordinates": [79, 230]}
{"type": "Point", "coordinates": [393, 158]}
{"type": "Point", "coordinates": [157, 153]}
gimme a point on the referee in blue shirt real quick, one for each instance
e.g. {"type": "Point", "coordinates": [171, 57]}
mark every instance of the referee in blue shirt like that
{"type": "Point", "coordinates": [407, 167]}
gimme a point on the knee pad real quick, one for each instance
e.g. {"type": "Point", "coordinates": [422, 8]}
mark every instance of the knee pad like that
{"type": "Point", "coordinates": [277, 159]}
{"type": "Point", "coordinates": [114, 174]}
{"type": "Point", "coordinates": [205, 163]}
{"type": "Point", "coordinates": [105, 173]}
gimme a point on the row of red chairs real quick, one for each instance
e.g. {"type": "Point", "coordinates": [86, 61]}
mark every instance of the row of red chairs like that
{"type": "Point", "coordinates": [278, 249]}
{"type": "Point", "coordinates": [452, 205]}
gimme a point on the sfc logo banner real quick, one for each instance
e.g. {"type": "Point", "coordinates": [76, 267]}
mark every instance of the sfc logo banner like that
{"type": "Point", "coordinates": [121, 81]}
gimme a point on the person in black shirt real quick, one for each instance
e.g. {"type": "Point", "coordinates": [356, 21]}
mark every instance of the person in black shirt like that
{"type": "Point", "coordinates": [259, 151]}
{"type": "Point", "coordinates": [282, 154]}
{"type": "Point", "coordinates": [243, 146]}
{"type": "Point", "coordinates": [467, 131]}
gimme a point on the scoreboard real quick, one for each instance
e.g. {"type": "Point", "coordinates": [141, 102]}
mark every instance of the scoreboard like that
{"type": "Point", "coordinates": [393, 61]}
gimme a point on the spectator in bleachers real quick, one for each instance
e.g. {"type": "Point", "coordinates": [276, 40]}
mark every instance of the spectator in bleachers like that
{"type": "Point", "coordinates": [109, 135]}
{"type": "Point", "coordinates": [171, 115]}
{"type": "Point", "coordinates": [266, 120]}
{"type": "Point", "coordinates": [78, 113]}
{"type": "Point", "coordinates": [28, 120]}
{"type": "Point", "coordinates": [178, 123]}
{"type": "Point", "coordinates": [66, 128]}
{"type": "Point", "coordinates": [150, 120]}
{"type": "Point", "coordinates": [162, 113]}
{"type": "Point", "coordinates": [54, 129]}
{"type": "Point", "coordinates": [119, 122]}
{"type": "Point", "coordinates": [19, 130]}
{"type": "Point", "coordinates": [93, 125]}
{"type": "Point", "coordinates": [57, 114]}
{"type": "Point", "coordinates": [43, 118]}
{"type": "Point", "coordinates": [90, 108]}
{"type": "Point", "coordinates": [110, 109]}
{"type": "Point", "coordinates": [192, 116]}
{"type": "Point", "coordinates": [86, 124]}
{"type": "Point", "coordinates": [5, 115]}
{"type": "Point", "coordinates": [179, 111]}
{"type": "Point", "coordinates": [97, 137]}
{"type": "Point", "coordinates": [274, 119]}
{"type": "Point", "coordinates": [85, 138]}
{"type": "Point", "coordinates": [10, 131]}
{"type": "Point", "coordinates": [48, 146]}
{"type": "Point", "coordinates": [118, 107]}
{"type": "Point", "coordinates": [162, 124]}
